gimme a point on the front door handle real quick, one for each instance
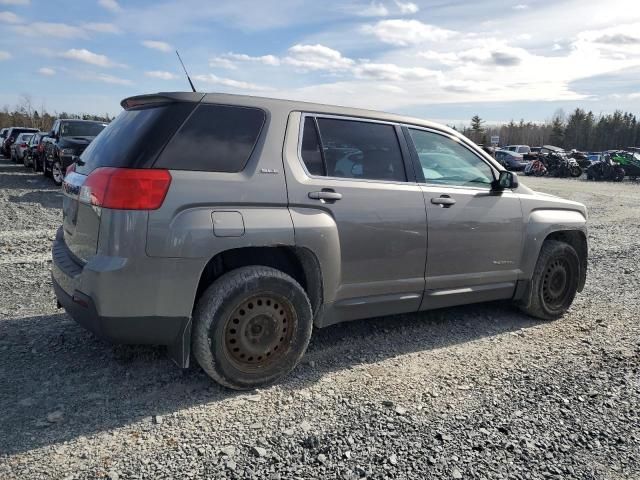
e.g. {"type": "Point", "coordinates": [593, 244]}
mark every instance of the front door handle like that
{"type": "Point", "coordinates": [444, 201]}
{"type": "Point", "coordinates": [325, 194]}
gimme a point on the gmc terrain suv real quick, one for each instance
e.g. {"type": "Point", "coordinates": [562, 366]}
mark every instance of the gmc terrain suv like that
{"type": "Point", "coordinates": [66, 141]}
{"type": "Point", "coordinates": [229, 226]}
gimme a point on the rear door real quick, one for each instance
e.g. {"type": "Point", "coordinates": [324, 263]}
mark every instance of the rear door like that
{"type": "Point", "coordinates": [354, 170]}
{"type": "Point", "coordinates": [475, 234]}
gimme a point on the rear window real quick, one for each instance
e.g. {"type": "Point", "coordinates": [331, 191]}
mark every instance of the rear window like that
{"type": "Point", "coordinates": [81, 129]}
{"type": "Point", "coordinates": [215, 138]}
{"type": "Point", "coordinates": [135, 138]}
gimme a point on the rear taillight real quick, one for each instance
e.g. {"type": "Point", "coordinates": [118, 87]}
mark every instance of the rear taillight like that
{"type": "Point", "coordinates": [23, 145]}
{"type": "Point", "coordinates": [126, 188]}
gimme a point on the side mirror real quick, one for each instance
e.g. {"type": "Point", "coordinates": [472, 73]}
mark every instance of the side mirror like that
{"type": "Point", "coordinates": [506, 180]}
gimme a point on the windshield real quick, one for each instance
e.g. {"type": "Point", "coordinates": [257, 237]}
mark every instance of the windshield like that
{"type": "Point", "coordinates": [81, 129]}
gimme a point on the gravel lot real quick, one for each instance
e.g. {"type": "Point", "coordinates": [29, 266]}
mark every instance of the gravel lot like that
{"type": "Point", "coordinates": [474, 392]}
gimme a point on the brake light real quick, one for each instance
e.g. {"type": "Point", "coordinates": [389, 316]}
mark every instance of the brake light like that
{"type": "Point", "coordinates": [23, 145]}
{"type": "Point", "coordinates": [126, 188]}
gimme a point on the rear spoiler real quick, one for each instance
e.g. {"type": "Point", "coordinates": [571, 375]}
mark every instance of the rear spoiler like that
{"type": "Point", "coordinates": [160, 99]}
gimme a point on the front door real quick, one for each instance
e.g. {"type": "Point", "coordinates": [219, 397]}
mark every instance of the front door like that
{"type": "Point", "coordinates": [354, 171]}
{"type": "Point", "coordinates": [475, 234]}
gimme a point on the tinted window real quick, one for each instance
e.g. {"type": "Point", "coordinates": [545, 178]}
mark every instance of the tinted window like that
{"type": "Point", "coordinates": [215, 138]}
{"type": "Point", "coordinates": [311, 148]}
{"type": "Point", "coordinates": [135, 138]}
{"type": "Point", "coordinates": [354, 149]}
{"type": "Point", "coordinates": [81, 129]}
{"type": "Point", "coordinates": [445, 161]}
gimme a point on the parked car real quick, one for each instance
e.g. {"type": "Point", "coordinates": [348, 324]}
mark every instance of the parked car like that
{"type": "Point", "coordinates": [10, 138]}
{"type": "Point", "coordinates": [518, 148]}
{"type": "Point", "coordinates": [35, 151]}
{"type": "Point", "coordinates": [216, 224]}
{"type": "Point", "coordinates": [20, 146]}
{"type": "Point", "coordinates": [511, 160]}
{"type": "Point", "coordinates": [3, 135]}
{"type": "Point", "coordinates": [67, 140]}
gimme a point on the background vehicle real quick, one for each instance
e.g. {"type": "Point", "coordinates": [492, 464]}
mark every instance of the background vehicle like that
{"type": "Point", "coordinates": [518, 148]}
{"type": "Point", "coordinates": [67, 140]}
{"type": "Point", "coordinates": [219, 223]}
{"type": "Point", "coordinates": [606, 169]}
{"type": "Point", "coordinates": [629, 161]}
{"type": "Point", "coordinates": [536, 168]}
{"type": "Point", "coordinates": [35, 151]}
{"type": "Point", "coordinates": [19, 147]}
{"type": "Point", "coordinates": [10, 138]}
{"type": "Point", "coordinates": [511, 160]}
{"type": "Point", "coordinates": [558, 162]}
{"type": "Point", "coordinates": [3, 135]}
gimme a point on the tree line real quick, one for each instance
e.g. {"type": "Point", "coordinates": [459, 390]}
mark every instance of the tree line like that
{"type": "Point", "coordinates": [25, 114]}
{"type": "Point", "coordinates": [581, 130]}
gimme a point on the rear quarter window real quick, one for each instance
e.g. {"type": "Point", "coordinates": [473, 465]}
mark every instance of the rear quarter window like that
{"type": "Point", "coordinates": [215, 138]}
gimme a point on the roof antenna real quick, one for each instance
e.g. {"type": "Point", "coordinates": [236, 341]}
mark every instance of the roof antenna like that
{"type": "Point", "coordinates": [186, 73]}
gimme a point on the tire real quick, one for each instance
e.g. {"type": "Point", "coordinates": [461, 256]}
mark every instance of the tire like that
{"type": "Point", "coordinates": [251, 327]}
{"type": "Point", "coordinates": [555, 281]}
{"type": "Point", "coordinates": [56, 172]}
{"type": "Point", "coordinates": [576, 171]}
{"type": "Point", "coordinates": [25, 161]}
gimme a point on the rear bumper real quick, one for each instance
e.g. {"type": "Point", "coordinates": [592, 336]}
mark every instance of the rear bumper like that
{"type": "Point", "coordinates": [70, 279]}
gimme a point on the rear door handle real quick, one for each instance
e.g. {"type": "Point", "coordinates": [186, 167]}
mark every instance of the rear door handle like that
{"type": "Point", "coordinates": [325, 194]}
{"type": "Point", "coordinates": [444, 201]}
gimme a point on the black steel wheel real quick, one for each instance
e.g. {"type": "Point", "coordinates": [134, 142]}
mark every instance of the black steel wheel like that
{"type": "Point", "coordinates": [259, 331]}
{"type": "Point", "coordinates": [555, 281]}
{"type": "Point", "coordinates": [251, 327]}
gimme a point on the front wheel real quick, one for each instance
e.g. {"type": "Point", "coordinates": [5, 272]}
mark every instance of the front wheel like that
{"type": "Point", "coordinates": [576, 171]}
{"type": "Point", "coordinates": [555, 281]}
{"type": "Point", "coordinates": [56, 172]}
{"type": "Point", "coordinates": [251, 327]}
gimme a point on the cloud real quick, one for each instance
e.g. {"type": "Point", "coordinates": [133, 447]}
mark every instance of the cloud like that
{"type": "Point", "coordinates": [101, 27]}
{"type": "Point", "coordinates": [392, 72]}
{"type": "Point", "coordinates": [157, 45]}
{"type": "Point", "coordinates": [372, 10]}
{"type": "Point", "coordinates": [86, 56]}
{"type": "Point", "coordinates": [9, 17]}
{"type": "Point", "coordinates": [407, 8]}
{"type": "Point", "coordinates": [4, 55]}
{"type": "Point", "coordinates": [15, 2]}
{"type": "Point", "coordinates": [316, 57]}
{"type": "Point", "coordinates": [162, 75]}
{"type": "Point", "coordinates": [407, 32]}
{"type": "Point", "coordinates": [521, 6]}
{"type": "Point", "coordinates": [105, 78]}
{"type": "Point", "coordinates": [46, 29]}
{"type": "Point", "coordinates": [228, 82]}
{"type": "Point", "coordinates": [491, 54]}
{"type": "Point", "coordinates": [618, 39]}
{"type": "Point", "coordinates": [46, 71]}
{"type": "Point", "coordinates": [111, 5]}
{"type": "Point", "coordinates": [264, 59]}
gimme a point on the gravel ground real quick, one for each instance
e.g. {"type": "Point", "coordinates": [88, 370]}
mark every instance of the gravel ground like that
{"type": "Point", "coordinates": [473, 392]}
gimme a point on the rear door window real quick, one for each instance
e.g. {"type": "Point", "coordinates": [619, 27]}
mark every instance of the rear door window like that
{"type": "Point", "coordinates": [359, 150]}
{"type": "Point", "coordinates": [215, 138]}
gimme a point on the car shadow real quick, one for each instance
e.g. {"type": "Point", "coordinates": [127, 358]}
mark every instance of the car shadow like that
{"type": "Point", "coordinates": [49, 364]}
{"type": "Point", "coordinates": [48, 198]}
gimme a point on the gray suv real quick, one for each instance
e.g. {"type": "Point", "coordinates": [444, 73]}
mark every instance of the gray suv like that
{"type": "Point", "coordinates": [229, 226]}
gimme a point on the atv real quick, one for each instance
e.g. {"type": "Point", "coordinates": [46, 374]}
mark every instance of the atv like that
{"type": "Point", "coordinates": [630, 161]}
{"type": "Point", "coordinates": [559, 164]}
{"type": "Point", "coordinates": [606, 169]}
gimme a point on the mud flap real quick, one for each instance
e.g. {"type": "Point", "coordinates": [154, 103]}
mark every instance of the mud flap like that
{"type": "Point", "coordinates": [180, 350]}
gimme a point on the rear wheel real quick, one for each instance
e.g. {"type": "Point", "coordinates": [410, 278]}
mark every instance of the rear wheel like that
{"type": "Point", "coordinates": [251, 327]}
{"type": "Point", "coordinates": [555, 281]}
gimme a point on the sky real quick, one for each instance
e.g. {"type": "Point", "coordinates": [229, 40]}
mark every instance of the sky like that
{"type": "Point", "coordinates": [437, 59]}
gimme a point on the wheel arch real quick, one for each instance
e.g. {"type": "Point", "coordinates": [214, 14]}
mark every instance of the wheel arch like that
{"type": "Point", "coordinates": [299, 263]}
